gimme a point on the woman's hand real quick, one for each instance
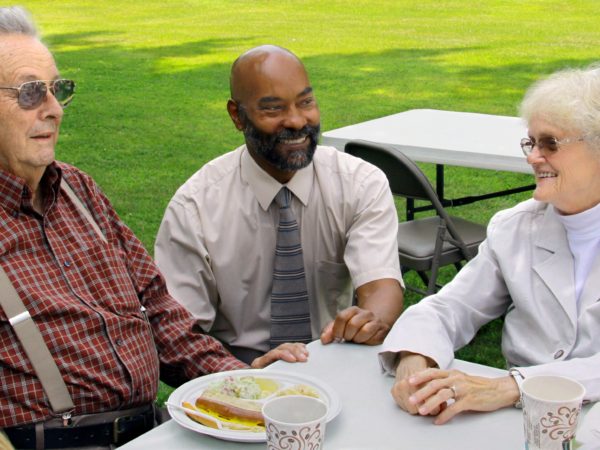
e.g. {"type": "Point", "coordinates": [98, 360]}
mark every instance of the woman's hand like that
{"type": "Point", "coordinates": [433, 390]}
{"type": "Point", "coordinates": [410, 364]}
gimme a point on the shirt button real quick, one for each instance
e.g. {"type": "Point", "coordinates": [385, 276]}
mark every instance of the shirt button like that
{"type": "Point", "coordinates": [67, 263]}
{"type": "Point", "coordinates": [119, 342]}
{"type": "Point", "coordinates": [558, 354]}
{"type": "Point", "coordinates": [15, 213]}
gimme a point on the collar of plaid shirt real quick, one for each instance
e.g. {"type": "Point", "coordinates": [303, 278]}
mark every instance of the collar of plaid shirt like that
{"type": "Point", "coordinates": [85, 296]}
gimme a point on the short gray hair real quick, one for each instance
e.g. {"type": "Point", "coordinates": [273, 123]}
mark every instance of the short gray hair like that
{"type": "Point", "coordinates": [16, 20]}
{"type": "Point", "coordinates": [569, 99]}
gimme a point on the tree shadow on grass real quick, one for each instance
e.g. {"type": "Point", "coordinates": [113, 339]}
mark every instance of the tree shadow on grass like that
{"type": "Point", "coordinates": [144, 119]}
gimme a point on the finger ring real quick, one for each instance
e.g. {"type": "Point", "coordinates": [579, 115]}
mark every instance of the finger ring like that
{"type": "Point", "coordinates": [454, 393]}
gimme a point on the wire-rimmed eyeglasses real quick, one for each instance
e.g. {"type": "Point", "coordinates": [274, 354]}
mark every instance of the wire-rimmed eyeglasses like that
{"type": "Point", "coordinates": [550, 144]}
{"type": "Point", "coordinates": [31, 94]}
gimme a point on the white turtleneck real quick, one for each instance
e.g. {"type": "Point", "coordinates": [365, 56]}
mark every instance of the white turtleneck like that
{"type": "Point", "coordinates": [583, 235]}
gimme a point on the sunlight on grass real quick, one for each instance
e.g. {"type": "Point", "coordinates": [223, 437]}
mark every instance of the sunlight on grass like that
{"type": "Point", "coordinates": [153, 79]}
{"type": "Point", "coordinates": [179, 64]}
{"type": "Point", "coordinates": [153, 76]}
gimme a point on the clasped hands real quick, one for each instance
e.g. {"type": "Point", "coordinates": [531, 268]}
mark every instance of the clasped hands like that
{"type": "Point", "coordinates": [352, 324]}
{"type": "Point", "coordinates": [425, 390]}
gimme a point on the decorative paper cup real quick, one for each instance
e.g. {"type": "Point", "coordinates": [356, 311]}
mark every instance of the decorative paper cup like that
{"type": "Point", "coordinates": [551, 406]}
{"type": "Point", "coordinates": [295, 422]}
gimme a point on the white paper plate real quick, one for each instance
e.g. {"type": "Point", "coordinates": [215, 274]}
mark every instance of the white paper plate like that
{"type": "Point", "coordinates": [191, 390]}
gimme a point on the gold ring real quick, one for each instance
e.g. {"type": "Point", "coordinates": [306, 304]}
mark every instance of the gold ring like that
{"type": "Point", "coordinates": [454, 393]}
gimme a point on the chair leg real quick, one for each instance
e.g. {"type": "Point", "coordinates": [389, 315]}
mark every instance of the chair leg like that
{"type": "Point", "coordinates": [435, 263]}
{"type": "Point", "coordinates": [423, 276]}
{"type": "Point", "coordinates": [416, 290]}
{"type": "Point", "coordinates": [431, 287]}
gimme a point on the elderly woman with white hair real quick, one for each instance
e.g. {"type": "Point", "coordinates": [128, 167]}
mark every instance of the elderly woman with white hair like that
{"type": "Point", "coordinates": [539, 268]}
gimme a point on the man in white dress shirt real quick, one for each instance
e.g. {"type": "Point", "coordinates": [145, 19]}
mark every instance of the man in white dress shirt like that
{"type": "Point", "coordinates": [216, 243]}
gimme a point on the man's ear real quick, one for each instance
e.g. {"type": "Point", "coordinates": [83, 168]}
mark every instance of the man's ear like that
{"type": "Point", "coordinates": [233, 109]}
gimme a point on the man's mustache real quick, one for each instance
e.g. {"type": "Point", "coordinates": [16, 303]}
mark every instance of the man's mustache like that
{"type": "Point", "coordinates": [289, 134]}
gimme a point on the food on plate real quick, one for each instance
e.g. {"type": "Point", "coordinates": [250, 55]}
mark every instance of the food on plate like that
{"type": "Point", "coordinates": [200, 419]}
{"type": "Point", "coordinates": [236, 402]}
{"type": "Point", "coordinates": [299, 389]}
{"type": "Point", "coordinates": [221, 424]}
{"type": "Point", "coordinates": [228, 408]}
{"type": "Point", "coordinates": [247, 387]}
{"type": "Point", "coordinates": [267, 385]}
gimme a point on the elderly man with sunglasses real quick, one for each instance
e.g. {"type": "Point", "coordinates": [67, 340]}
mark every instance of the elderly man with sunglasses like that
{"type": "Point", "coordinates": [539, 269]}
{"type": "Point", "coordinates": [86, 322]}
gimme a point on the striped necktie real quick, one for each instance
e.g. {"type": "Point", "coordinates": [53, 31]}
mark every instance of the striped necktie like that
{"type": "Point", "coordinates": [290, 313]}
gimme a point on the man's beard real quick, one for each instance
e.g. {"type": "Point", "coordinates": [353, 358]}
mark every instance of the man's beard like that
{"type": "Point", "coordinates": [265, 144]}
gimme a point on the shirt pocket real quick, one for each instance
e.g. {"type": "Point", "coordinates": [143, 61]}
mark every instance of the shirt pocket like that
{"type": "Point", "coordinates": [103, 280]}
{"type": "Point", "coordinates": [333, 286]}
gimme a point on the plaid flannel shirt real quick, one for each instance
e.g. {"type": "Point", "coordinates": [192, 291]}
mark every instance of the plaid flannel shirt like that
{"type": "Point", "coordinates": [85, 296]}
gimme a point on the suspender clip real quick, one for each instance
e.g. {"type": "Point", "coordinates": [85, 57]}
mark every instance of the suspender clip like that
{"type": "Point", "coordinates": [19, 318]}
{"type": "Point", "coordinates": [66, 418]}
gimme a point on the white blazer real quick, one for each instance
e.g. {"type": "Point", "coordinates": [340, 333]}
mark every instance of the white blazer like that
{"type": "Point", "coordinates": [524, 270]}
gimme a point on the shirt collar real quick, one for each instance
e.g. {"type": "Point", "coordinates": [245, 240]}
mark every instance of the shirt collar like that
{"type": "Point", "coordinates": [14, 192]}
{"type": "Point", "coordinates": [265, 187]}
{"type": "Point", "coordinates": [583, 225]}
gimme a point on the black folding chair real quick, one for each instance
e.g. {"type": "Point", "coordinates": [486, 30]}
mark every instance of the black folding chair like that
{"type": "Point", "coordinates": [424, 244]}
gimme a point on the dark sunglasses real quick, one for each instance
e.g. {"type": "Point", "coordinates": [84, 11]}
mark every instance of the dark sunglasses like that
{"type": "Point", "coordinates": [31, 94]}
{"type": "Point", "coordinates": [548, 143]}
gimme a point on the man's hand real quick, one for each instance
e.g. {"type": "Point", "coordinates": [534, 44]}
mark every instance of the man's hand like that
{"type": "Point", "coordinates": [379, 305]}
{"type": "Point", "coordinates": [355, 324]}
{"type": "Point", "coordinates": [289, 352]}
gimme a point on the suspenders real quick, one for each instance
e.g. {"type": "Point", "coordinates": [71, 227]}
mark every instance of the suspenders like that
{"type": "Point", "coordinates": [35, 347]}
{"type": "Point", "coordinates": [82, 209]}
{"type": "Point", "coordinates": [29, 334]}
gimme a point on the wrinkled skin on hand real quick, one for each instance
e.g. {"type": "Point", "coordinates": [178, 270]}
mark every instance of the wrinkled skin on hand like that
{"type": "Point", "coordinates": [446, 393]}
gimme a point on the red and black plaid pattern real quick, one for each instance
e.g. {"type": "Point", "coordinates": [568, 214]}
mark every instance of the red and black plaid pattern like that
{"type": "Point", "coordinates": [85, 296]}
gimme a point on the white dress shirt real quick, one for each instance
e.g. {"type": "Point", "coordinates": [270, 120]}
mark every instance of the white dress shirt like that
{"type": "Point", "coordinates": [216, 243]}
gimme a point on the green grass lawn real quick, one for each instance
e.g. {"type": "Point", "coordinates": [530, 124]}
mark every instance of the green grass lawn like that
{"type": "Point", "coordinates": [153, 80]}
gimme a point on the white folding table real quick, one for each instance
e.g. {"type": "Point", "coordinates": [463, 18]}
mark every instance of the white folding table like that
{"type": "Point", "coordinates": [369, 419]}
{"type": "Point", "coordinates": [481, 141]}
